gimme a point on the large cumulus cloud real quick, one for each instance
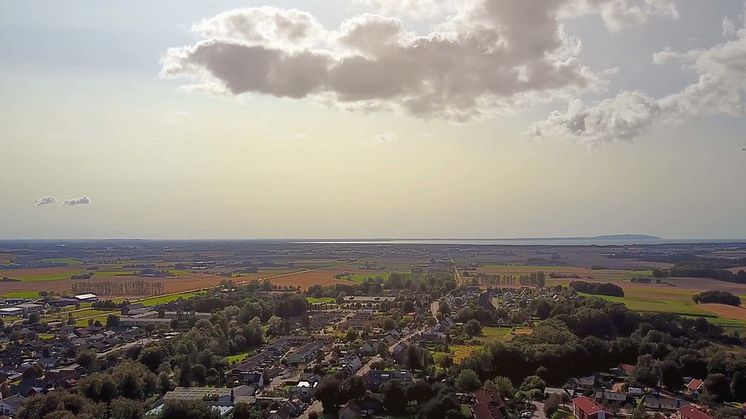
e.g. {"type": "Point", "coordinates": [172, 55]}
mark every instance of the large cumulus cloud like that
{"type": "Point", "coordinates": [719, 90]}
{"type": "Point", "coordinates": [482, 57]}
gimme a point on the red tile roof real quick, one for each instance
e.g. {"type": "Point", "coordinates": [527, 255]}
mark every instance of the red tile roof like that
{"type": "Point", "coordinates": [587, 405]}
{"type": "Point", "coordinates": [695, 384]}
{"type": "Point", "coordinates": [627, 368]}
{"type": "Point", "coordinates": [488, 397]}
{"type": "Point", "coordinates": [691, 412]}
{"type": "Point", "coordinates": [482, 411]}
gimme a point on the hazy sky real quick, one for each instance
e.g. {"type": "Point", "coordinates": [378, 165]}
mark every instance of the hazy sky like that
{"type": "Point", "coordinates": [372, 118]}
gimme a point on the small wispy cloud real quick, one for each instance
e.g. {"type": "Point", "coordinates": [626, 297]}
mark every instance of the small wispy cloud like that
{"type": "Point", "coordinates": [45, 201]}
{"type": "Point", "coordinates": [379, 139]}
{"type": "Point", "coordinates": [77, 201]}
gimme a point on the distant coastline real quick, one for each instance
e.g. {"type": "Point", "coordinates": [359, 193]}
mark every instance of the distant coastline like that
{"type": "Point", "coordinates": [605, 240]}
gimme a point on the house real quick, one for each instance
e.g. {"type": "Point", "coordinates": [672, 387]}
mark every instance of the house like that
{"type": "Point", "coordinates": [251, 378]}
{"type": "Point", "coordinates": [361, 409]}
{"type": "Point", "coordinates": [351, 410]}
{"type": "Point", "coordinates": [133, 307]}
{"type": "Point", "coordinates": [585, 408]}
{"type": "Point", "coordinates": [627, 369]}
{"type": "Point", "coordinates": [663, 403]}
{"type": "Point", "coordinates": [359, 320]}
{"type": "Point", "coordinates": [374, 379]}
{"type": "Point", "coordinates": [694, 386]}
{"type": "Point", "coordinates": [691, 412]}
{"type": "Point", "coordinates": [304, 354]}
{"type": "Point", "coordinates": [287, 409]}
{"type": "Point", "coordinates": [352, 363]}
{"type": "Point", "coordinates": [488, 405]}
{"type": "Point", "coordinates": [9, 405]}
{"type": "Point", "coordinates": [583, 382]}
{"type": "Point", "coordinates": [611, 396]}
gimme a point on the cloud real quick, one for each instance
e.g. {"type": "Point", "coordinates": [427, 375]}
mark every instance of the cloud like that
{"type": "Point", "coordinates": [481, 58]}
{"type": "Point", "coordinates": [379, 139]}
{"type": "Point", "coordinates": [621, 118]}
{"type": "Point", "coordinates": [621, 14]}
{"type": "Point", "coordinates": [45, 201]}
{"type": "Point", "coordinates": [719, 90]}
{"type": "Point", "coordinates": [729, 28]}
{"type": "Point", "coordinates": [77, 201]}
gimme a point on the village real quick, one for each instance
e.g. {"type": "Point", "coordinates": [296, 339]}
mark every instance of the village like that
{"type": "Point", "coordinates": [380, 343]}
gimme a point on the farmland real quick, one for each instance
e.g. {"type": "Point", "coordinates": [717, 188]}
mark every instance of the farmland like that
{"type": "Point", "coordinates": [165, 299]}
{"type": "Point", "coordinates": [671, 295]}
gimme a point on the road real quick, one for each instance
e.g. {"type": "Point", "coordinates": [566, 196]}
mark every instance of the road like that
{"type": "Point", "coordinates": [456, 275]}
{"type": "Point", "coordinates": [434, 306]}
{"type": "Point", "coordinates": [140, 342]}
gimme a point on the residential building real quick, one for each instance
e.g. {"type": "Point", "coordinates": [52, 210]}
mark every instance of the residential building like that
{"type": "Point", "coordinates": [487, 405]}
{"type": "Point", "coordinates": [585, 408]}
{"type": "Point", "coordinates": [9, 405]}
{"type": "Point", "coordinates": [691, 412]}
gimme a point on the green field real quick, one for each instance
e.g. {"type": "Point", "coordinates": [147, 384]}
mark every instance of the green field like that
{"type": "Point", "coordinates": [323, 300]}
{"type": "Point", "coordinates": [66, 261]}
{"type": "Point", "coordinates": [234, 359]}
{"type": "Point", "coordinates": [491, 334]}
{"type": "Point", "coordinates": [165, 299]}
{"type": "Point", "coordinates": [22, 294]}
{"type": "Point", "coordinates": [45, 277]}
{"type": "Point", "coordinates": [361, 277]}
{"type": "Point", "coordinates": [679, 306]}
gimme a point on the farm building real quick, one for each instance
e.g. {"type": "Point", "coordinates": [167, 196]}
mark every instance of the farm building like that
{"type": "Point", "coordinates": [10, 311]}
{"type": "Point", "coordinates": [86, 298]}
{"type": "Point", "coordinates": [29, 308]}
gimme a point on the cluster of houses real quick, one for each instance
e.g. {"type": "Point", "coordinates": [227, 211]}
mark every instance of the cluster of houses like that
{"type": "Point", "coordinates": [591, 393]}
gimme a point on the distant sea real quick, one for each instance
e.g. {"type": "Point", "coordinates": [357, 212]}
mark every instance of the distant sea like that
{"type": "Point", "coordinates": [575, 241]}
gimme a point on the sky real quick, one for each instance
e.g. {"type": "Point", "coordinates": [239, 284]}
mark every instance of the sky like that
{"type": "Point", "coordinates": [341, 119]}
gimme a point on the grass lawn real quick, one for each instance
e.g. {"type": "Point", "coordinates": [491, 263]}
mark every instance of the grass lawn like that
{"type": "Point", "coordinates": [84, 322]}
{"type": "Point", "coordinates": [491, 334]}
{"type": "Point", "coordinates": [21, 294]}
{"type": "Point", "coordinates": [165, 299]}
{"type": "Point", "coordinates": [323, 300]}
{"type": "Point", "coordinates": [234, 359]}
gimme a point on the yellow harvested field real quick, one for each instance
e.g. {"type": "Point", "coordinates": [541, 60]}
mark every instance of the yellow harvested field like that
{"type": "Point", "coordinates": [726, 311]}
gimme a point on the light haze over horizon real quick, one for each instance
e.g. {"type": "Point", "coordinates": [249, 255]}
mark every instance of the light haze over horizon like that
{"type": "Point", "coordinates": [349, 119]}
